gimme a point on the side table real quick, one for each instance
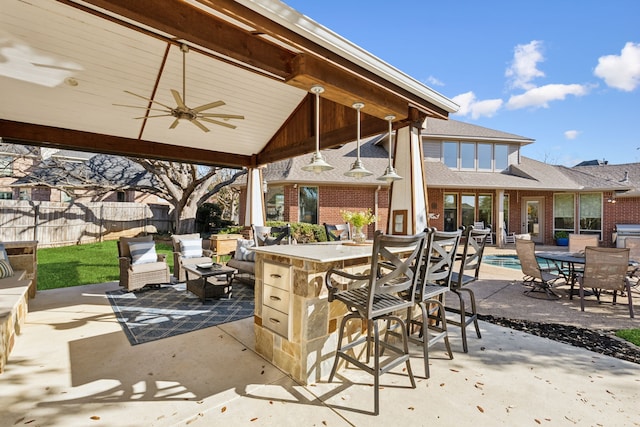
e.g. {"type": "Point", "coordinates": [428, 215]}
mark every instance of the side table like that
{"type": "Point", "coordinates": [203, 282]}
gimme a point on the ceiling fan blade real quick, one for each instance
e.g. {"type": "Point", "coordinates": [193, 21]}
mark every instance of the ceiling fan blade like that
{"type": "Point", "coordinates": [135, 106]}
{"type": "Point", "coordinates": [200, 125]}
{"type": "Point", "coordinates": [174, 124]}
{"type": "Point", "coordinates": [151, 117]}
{"type": "Point", "coordinates": [208, 106]}
{"type": "Point", "coordinates": [222, 116]}
{"type": "Point", "coordinates": [178, 98]}
{"type": "Point", "coordinates": [218, 123]}
{"type": "Point", "coordinates": [148, 99]}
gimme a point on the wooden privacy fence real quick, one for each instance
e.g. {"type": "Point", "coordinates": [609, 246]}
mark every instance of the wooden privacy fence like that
{"type": "Point", "coordinates": [61, 224]}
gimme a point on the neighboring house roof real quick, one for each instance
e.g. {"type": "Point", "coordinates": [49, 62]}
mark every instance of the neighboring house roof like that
{"type": "Point", "coordinates": [17, 150]}
{"type": "Point", "coordinates": [454, 129]}
{"type": "Point", "coordinates": [625, 178]}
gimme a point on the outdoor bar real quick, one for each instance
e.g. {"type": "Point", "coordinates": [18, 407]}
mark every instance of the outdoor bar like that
{"type": "Point", "coordinates": [295, 326]}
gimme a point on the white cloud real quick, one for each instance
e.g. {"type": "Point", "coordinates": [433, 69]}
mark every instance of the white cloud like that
{"type": "Point", "coordinates": [523, 69]}
{"type": "Point", "coordinates": [470, 106]}
{"type": "Point", "coordinates": [434, 81]}
{"type": "Point", "coordinates": [540, 96]}
{"type": "Point", "coordinates": [623, 71]}
{"type": "Point", "coordinates": [571, 134]}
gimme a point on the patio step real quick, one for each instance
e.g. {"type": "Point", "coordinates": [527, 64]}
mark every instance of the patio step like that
{"type": "Point", "coordinates": [14, 297]}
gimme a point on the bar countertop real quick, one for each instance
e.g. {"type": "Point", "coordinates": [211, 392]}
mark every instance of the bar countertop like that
{"type": "Point", "coordinates": [318, 252]}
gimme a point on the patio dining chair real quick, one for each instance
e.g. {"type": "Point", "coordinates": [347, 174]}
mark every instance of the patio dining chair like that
{"type": "Point", "coordinates": [375, 296]}
{"type": "Point", "coordinates": [538, 279]}
{"type": "Point", "coordinates": [470, 261]}
{"type": "Point", "coordinates": [605, 269]}
{"type": "Point", "coordinates": [337, 232]}
{"type": "Point", "coordinates": [267, 236]}
{"type": "Point", "coordinates": [633, 244]}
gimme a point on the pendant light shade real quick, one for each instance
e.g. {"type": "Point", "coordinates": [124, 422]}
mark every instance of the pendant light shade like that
{"type": "Point", "coordinates": [390, 173]}
{"type": "Point", "coordinates": [357, 168]}
{"type": "Point", "coordinates": [317, 164]}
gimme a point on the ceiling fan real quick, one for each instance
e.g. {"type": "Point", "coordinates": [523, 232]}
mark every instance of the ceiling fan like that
{"type": "Point", "coordinates": [181, 111]}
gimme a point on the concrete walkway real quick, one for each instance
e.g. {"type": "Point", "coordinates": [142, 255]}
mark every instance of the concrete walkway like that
{"type": "Point", "coordinates": [73, 366]}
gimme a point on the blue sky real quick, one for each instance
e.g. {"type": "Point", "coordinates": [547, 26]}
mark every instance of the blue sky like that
{"type": "Point", "coordinates": [565, 73]}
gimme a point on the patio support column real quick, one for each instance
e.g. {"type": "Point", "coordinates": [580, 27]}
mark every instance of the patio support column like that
{"type": "Point", "coordinates": [254, 206]}
{"type": "Point", "coordinates": [500, 232]}
{"type": "Point", "coordinates": [408, 195]}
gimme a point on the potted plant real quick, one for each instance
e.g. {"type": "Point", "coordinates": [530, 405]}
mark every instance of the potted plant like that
{"type": "Point", "coordinates": [357, 220]}
{"type": "Point", "coordinates": [562, 238]}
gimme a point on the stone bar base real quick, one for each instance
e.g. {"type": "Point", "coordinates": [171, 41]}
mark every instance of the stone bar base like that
{"type": "Point", "coordinates": [14, 298]}
{"type": "Point", "coordinates": [308, 353]}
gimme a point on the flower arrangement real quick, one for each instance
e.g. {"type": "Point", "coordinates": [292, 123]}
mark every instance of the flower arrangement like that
{"type": "Point", "coordinates": [358, 219]}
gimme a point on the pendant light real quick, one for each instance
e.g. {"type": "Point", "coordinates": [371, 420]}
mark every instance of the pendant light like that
{"type": "Point", "coordinates": [317, 164]}
{"type": "Point", "coordinates": [357, 169]}
{"type": "Point", "coordinates": [390, 173]}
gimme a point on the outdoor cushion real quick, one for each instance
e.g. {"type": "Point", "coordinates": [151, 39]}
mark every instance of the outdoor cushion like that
{"type": "Point", "coordinates": [191, 248]}
{"type": "Point", "coordinates": [242, 251]}
{"type": "Point", "coordinates": [3, 252]}
{"type": "Point", "coordinates": [5, 269]}
{"type": "Point", "coordinates": [123, 244]}
{"type": "Point", "coordinates": [148, 267]}
{"type": "Point", "coordinates": [143, 252]}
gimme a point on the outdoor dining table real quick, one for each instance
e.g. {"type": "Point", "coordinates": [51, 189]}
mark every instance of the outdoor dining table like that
{"type": "Point", "coordinates": [566, 263]}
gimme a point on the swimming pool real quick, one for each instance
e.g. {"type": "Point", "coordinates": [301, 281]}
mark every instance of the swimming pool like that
{"type": "Point", "coordinates": [508, 261]}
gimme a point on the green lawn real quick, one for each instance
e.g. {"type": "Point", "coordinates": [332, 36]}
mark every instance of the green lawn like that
{"type": "Point", "coordinates": [83, 264]}
{"type": "Point", "coordinates": [631, 335]}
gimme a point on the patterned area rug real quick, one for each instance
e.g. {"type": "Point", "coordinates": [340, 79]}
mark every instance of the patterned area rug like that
{"type": "Point", "coordinates": [153, 314]}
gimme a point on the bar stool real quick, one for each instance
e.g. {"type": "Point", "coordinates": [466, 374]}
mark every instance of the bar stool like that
{"type": "Point", "coordinates": [376, 298]}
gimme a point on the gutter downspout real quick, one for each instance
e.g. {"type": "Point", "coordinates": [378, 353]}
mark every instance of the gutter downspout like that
{"type": "Point", "coordinates": [375, 205]}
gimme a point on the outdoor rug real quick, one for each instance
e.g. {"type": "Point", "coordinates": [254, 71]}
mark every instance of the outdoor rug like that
{"type": "Point", "coordinates": [153, 314]}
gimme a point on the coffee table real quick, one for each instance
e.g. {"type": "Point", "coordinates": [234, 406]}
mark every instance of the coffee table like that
{"type": "Point", "coordinates": [203, 281]}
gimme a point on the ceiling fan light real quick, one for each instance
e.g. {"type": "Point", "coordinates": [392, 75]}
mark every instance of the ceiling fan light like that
{"type": "Point", "coordinates": [317, 164]}
{"type": "Point", "coordinates": [358, 170]}
{"type": "Point", "coordinates": [390, 175]}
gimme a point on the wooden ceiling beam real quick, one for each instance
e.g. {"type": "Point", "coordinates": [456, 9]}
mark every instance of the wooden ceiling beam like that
{"type": "Point", "coordinates": [183, 21]}
{"type": "Point", "coordinates": [99, 143]}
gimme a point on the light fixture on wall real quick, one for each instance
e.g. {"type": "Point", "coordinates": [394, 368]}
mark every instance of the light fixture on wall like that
{"type": "Point", "coordinates": [390, 173]}
{"type": "Point", "coordinates": [317, 164]}
{"type": "Point", "coordinates": [357, 169]}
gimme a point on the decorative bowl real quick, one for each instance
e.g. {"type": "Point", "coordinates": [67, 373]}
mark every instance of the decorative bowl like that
{"type": "Point", "coordinates": [205, 265]}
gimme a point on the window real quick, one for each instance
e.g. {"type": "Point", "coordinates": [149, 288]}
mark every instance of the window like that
{"type": "Point", "coordinates": [6, 166]}
{"type": "Point", "coordinates": [501, 154]}
{"type": "Point", "coordinates": [121, 196]}
{"type": "Point", "coordinates": [450, 212]}
{"type": "Point", "coordinates": [308, 204]}
{"type": "Point", "coordinates": [505, 208]}
{"type": "Point", "coordinates": [275, 203]}
{"type": "Point", "coordinates": [467, 155]}
{"type": "Point", "coordinates": [563, 213]}
{"type": "Point", "coordinates": [450, 154]}
{"type": "Point", "coordinates": [65, 197]}
{"type": "Point", "coordinates": [591, 214]}
{"type": "Point", "coordinates": [485, 209]}
{"type": "Point", "coordinates": [6, 195]}
{"type": "Point", "coordinates": [468, 209]}
{"type": "Point", "coordinates": [484, 157]}
{"type": "Point", "coordinates": [25, 195]}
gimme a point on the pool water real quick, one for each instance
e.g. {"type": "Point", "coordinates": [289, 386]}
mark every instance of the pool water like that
{"type": "Point", "coordinates": [508, 261]}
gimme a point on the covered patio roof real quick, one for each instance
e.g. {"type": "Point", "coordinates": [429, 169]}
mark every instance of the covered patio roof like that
{"type": "Point", "coordinates": [67, 64]}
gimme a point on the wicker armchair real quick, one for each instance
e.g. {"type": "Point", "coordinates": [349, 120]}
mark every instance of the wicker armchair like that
{"type": "Point", "coordinates": [179, 258]}
{"type": "Point", "coordinates": [136, 276]}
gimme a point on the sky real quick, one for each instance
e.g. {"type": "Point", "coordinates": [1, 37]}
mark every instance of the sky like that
{"type": "Point", "coordinates": [565, 73]}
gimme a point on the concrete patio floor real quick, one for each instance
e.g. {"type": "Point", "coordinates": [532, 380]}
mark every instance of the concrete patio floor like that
{"type": "Point", "coordinates": [73, 366]}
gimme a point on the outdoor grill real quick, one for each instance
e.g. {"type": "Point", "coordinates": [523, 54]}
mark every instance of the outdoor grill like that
{"type": "Point", "coordinates": [623, 231]}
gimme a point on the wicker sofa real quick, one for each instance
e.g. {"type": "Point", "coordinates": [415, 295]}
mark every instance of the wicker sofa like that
{"type": "Point", "coordinates": [138, 275]}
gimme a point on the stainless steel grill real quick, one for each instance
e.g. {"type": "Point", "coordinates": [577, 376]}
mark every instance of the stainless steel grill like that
{"type": "Point", "coordinates": [625, 230]}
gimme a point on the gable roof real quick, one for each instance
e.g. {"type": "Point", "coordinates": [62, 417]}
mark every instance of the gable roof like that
{"type": "Point", "coordinates": [457, 130]}
{"type": "Point", "coordinates": [624, 178]}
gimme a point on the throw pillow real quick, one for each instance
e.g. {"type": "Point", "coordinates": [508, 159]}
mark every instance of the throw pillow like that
{"type": "Point", "coordinates": [143, 252]}
{"type": "Point", "coordinates": [5, 269]}
{"type": "Point", "coordinates": [3, 252]}
{"type": "Point", "coordinates": [243, 253]}
{"type": "Point", "coordinates": [191, 248]}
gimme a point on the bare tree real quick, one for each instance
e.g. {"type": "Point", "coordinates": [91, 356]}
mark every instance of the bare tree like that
{"type": "Point", "coordinates": [184, 186]}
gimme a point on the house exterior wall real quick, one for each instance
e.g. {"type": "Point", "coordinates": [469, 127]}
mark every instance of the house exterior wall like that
{"type": "Point", "coordinates": [335, 198]}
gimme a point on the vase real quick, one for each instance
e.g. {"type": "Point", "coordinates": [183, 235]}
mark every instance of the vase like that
{"type": "Point", "coordinates": [358, 235]}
